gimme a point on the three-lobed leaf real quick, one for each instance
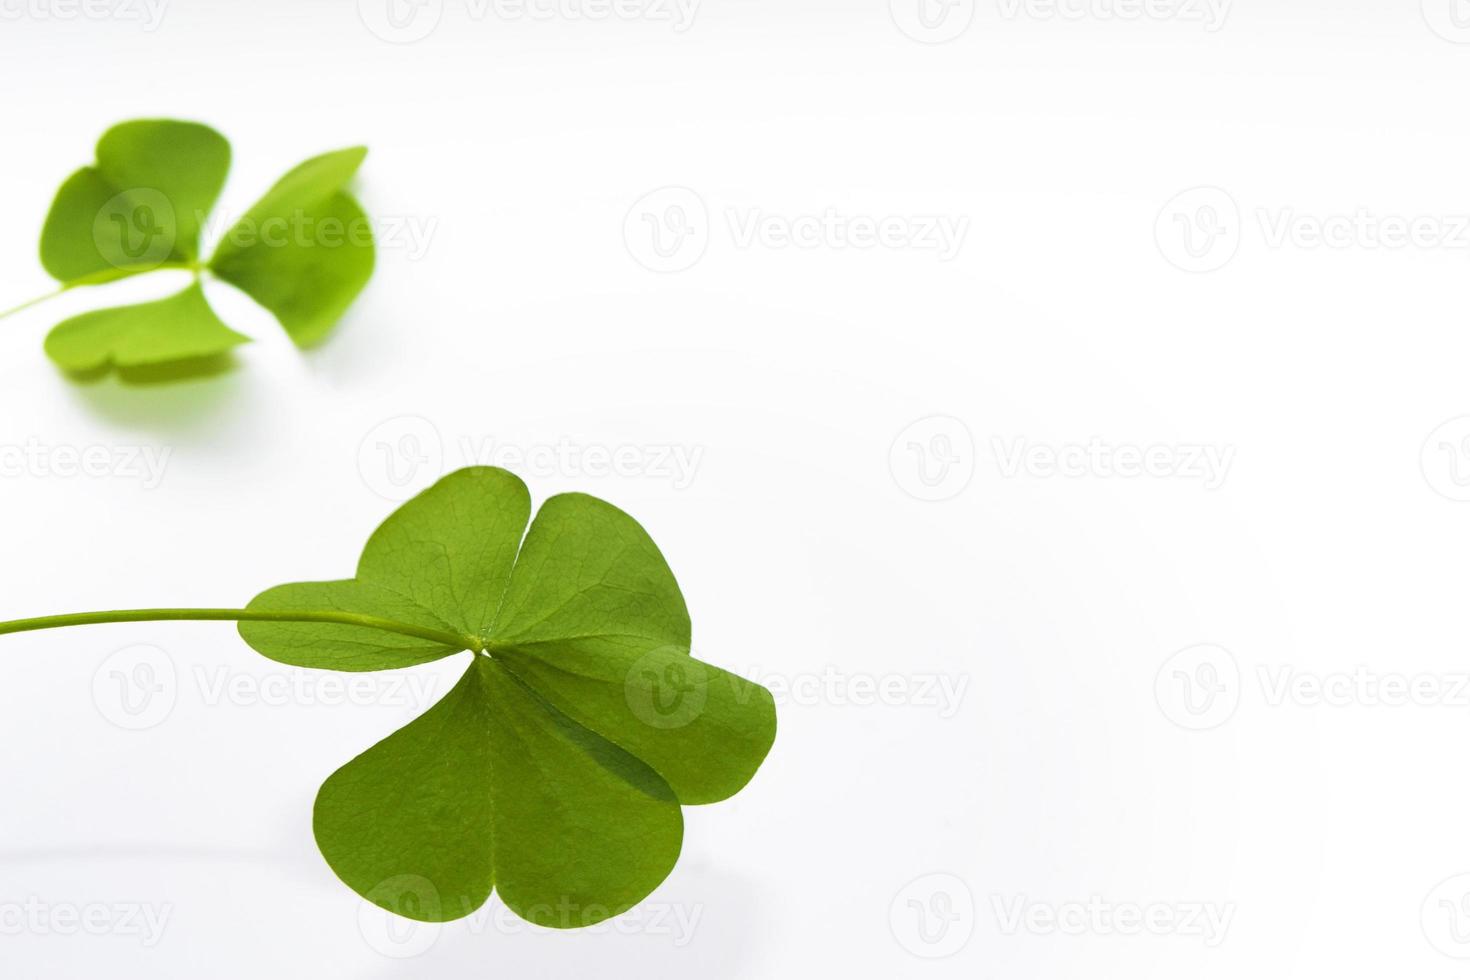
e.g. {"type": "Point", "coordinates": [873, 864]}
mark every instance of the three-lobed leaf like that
{"type": "Point", "coordinates": [139, 205]}
{"type": "Point", "coordinates": [304, 251]}
{"type": "Point", "coordinates": [554, 771]}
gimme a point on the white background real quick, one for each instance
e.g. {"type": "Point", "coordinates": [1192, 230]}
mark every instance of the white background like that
{"type": "Point", "coordinates": [1085, 768]}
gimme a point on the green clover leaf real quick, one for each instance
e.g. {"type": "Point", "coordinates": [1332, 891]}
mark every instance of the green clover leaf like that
{"type": "Point", "coordinates": [304, 251]}
{"type": "Point", "coordinates": [140, 205]}
{"type": "Point", "coordinates": [555, 769]}
{"type": "Point", "coordinates": [182, 327]}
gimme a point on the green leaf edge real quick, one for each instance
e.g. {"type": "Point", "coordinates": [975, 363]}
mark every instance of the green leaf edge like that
{"type": "Point", "coordinates": [109, 363]}
{"type": "Point", "coordinates": [554, 711]}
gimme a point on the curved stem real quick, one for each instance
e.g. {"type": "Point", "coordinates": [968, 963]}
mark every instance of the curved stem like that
{"type": "Point", "coordinates": [238, 615]}
{"type": "Point", "coordinates": [193, 266]}
{"type": "Point", "coordinates": [33, 302]}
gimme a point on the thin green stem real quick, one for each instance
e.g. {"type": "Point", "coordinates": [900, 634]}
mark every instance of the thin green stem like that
{"type": "Point", "coordinates": [238, 615]}
{"type": "Point", "coordinates": [33, 302]}
{"type": "Point", "coordinates": [111, 275]}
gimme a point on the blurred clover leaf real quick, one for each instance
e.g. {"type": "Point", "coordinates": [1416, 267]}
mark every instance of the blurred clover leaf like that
{"type": "Point", "coordinates": [304, 251]}
{"type": "Point", "coordinates": [555, 770]}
